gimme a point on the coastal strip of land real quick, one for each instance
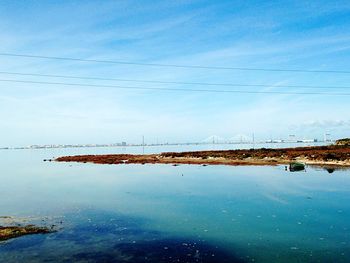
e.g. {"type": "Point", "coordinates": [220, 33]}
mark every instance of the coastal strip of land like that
{"type": "Point", "coordinates": [14, 227]}
{"type": "Point", "coordinates": [8, 232]}
{"type": "Point", "coordinates": [332, 155]}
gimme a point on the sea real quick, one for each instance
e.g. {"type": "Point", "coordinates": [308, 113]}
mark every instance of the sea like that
{"type": "Point", "coordinates": [165, 213]}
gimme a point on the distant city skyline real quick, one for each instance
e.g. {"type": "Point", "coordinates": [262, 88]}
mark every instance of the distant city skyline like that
{"type": "Point", "coordinates": [225, 42]}
{"type": "Point", "coordinates": [213, 139]}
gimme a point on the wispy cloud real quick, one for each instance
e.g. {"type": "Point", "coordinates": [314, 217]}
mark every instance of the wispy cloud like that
{"type": "Point", "coordinates": [242, 34]}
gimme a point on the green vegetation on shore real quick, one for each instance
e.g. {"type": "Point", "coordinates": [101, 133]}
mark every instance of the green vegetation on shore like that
{"type": "Point", "coordinates": [8, 232]}
{"type": "Point", "coordinates": [343, 142]}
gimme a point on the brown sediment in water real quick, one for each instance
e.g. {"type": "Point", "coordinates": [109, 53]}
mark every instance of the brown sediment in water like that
{"type": "Point", "coordinates": [8, 232]}
{"type": "Point", "coordinates": [332, 155]}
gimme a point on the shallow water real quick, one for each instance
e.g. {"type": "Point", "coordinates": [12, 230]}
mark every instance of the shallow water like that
{"type": "Point", "coordinates": [162, 213]}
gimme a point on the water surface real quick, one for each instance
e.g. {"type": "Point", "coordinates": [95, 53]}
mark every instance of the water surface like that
{"type": "Point", "coordinates": [163, 213]}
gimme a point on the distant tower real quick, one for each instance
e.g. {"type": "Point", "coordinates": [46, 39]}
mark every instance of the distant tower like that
{"type": "Point", "coordinates": [253, 138]}
{"type": "Point", "coordinates": [291, 137]}
{"type": "Point", "coordinates": [327, 137]}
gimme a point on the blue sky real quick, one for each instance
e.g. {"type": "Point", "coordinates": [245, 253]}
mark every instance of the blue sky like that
{"type": "Point", "coordinates": [312, 35]}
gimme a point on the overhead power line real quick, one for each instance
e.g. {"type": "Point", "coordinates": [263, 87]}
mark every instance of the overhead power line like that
{"type": "Point", "coordinates": [175, 89]}
{"type": "Point", "coordinates": [171, 82]}
{"type": "Point", "coordinates": [173, 65]}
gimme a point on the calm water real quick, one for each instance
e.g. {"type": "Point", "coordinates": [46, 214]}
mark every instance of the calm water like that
{"type": "Point", "coordinates": [162, 213]}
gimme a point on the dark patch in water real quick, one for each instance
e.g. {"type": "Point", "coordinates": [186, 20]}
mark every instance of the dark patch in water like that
{"type": "Point", "coordinates": [99, 236]}
{"type": "Point", "coordinates": [88, 226]}
{"type": "Point", "coordinates": [330, 170]}
{"type": "Point", "coordinates": [24, 242]}
{"type": "Point", "coordinates": [163, 251]}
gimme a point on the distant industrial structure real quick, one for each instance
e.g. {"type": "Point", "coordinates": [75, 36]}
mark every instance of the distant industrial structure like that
{"type": "Point", "coordinates": [244, 139]}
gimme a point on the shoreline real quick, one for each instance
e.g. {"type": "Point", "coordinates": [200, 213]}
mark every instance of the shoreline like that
{"type": "Point", "coordinates": [333, 156]}
{"type": "Point", "coordinates": [10, 232]}
{"type": "Point", "coordinates": [14, 227]}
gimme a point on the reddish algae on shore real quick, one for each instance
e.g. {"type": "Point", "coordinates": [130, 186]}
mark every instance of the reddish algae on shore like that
{"type": "Point", "coordinates": [335, 155]}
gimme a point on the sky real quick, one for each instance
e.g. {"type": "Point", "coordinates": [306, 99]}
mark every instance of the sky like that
{"type": "Point", "coordinates": [303, 35]}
